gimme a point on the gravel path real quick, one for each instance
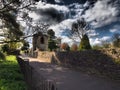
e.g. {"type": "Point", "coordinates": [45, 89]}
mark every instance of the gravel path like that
{"type": "Point", "coordinates": [67, 79]}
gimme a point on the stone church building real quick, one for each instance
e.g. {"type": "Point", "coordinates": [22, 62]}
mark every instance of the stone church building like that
{"type": "Point", "coordinates": [40, 41]}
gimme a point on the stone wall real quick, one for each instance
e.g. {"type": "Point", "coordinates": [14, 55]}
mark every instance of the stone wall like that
{"type": "Point", "coordinates": [96, 60]}
{"type": "Point", "coordinates": [100, 61]}
{"type": "Point", "coordinates": [45, 55]}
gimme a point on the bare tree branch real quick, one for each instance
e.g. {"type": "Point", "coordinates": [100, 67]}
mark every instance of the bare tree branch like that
{"type": "Point", "coordinates": [79, 29]}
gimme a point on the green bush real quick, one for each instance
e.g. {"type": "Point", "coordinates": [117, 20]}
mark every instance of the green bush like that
{"type": "Point", "coordinates": [52, 45]}
{"type": "Point", "coordinates": [116, 40]}
{"type": "Point", "coordinates": [65, 47]}
{"type": "Point", "coordinates": [25, 46]}
{"type": "Point", "coordinates": [68, 48]}
{"type": "Point", "coordinates": [84, 44]}
{"type": "Point", "coordinates": [5, 48]}
{"type": "Point", "coordinates": [97, 47]}
{"type": "Point", "coordinates": [74, 47]}
{"type": "Point", "coordinates": [2, 56]}
{"type": "Point", "coordinates": [51, 33]}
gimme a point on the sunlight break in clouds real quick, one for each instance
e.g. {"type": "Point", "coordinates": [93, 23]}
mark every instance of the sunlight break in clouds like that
{"type": "Point", "coordinates": [61, 27]}
{"type": "Point", "coordinates": [115, 29]}
{"type": "Point", "coordinates": [42, 5]}
{"type": "Point", "coordinates": [98, 41]}
{"type": "Point", "coordinates": [101, 14]}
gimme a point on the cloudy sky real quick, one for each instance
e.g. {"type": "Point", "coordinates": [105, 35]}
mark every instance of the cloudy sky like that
{"type": "Point", "coordinates": [103, 16]}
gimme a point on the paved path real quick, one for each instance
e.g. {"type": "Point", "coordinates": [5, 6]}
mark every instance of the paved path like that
{"type": "Point", "coordinates": [67, 79]}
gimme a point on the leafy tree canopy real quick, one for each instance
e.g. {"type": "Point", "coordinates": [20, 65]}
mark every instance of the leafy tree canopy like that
{"type": "Point", "coordinates": [51, 33]}
{"type": "Point", "coordinates": [9, 11]}
{"type": "Point", "coordinates": [25, 45]}
{"type": "Point", "coordinates": [52, 44]}
{"type": "Point", "coordinates": [65, 46]}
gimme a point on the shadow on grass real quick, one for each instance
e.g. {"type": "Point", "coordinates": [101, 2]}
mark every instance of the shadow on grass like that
{"type": "Point", "coordinates": [10, 75]}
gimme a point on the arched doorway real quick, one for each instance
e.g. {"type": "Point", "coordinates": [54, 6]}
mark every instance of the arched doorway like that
{"type": "Point", "coordinates": [42, 41]}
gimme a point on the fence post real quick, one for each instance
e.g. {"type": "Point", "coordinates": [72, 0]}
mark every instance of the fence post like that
{"type": "Point", "coordinates": [26, 61]}
{"type": "Point", "coordinates": [34, 82]}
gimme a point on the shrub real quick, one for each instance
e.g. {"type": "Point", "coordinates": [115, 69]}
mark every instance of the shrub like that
{"type": "Point", "coordinates": [52, 44]}
{"type": "Point", "coordinates": [2, 56]}
{"type": "Point", "coordinates": [5, 48]}
{"type": "Point", "coordinates": [84, 44]}
{"type": "Point", "coordinates": [74, 47]}
{"type": "Point", "coordinates": [65, 46]}
{"type": "Point", "coordinates": [105, 44]}
{"type": "Point", "coordinates": [51, 33]}
{"type": "Point", "coordinates": [116, 40]}
{"type": "Point", "coordinates": [25, 46]}
{"type": "Point", "coordinates": [96, 47]}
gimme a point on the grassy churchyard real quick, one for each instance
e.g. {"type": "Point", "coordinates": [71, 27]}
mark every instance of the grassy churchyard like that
{"type": "Point", "coordinates": [10, 75]}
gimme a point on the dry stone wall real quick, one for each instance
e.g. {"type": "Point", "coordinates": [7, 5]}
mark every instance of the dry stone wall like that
{"type": "Point", "coordinates": [98, 60]}
{"type": "Point", "coordinates": [45, 55]}
{"type": "Point", "coordinates": [95, 59]}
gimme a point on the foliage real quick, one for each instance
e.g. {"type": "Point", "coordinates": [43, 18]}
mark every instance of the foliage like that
{"type": "Point", "coordinates": [2, 56]}
{"type": "Point", "coordinates": [105, 44]}
{"type": "Point", "coordinates": [9, 11]}
{"type": "Point", "coordinates": [68, 48]}
{"type": "Point", "coordinates": [116, 40]}
{"type": "Point", "coordinates": [10, 48]}
{"type": "Point", "coordinates": [97, 47]}
{"type": "Point", "coordinates": [25, 45]}
{"type": "Point", "coordinates": [84, 44]}
{"type": "Point", "coordinates": [52, 44]}
{"type": "Point", "coordinates": [51, 33]}
{"type": "Point", "coordinates": [65, 46]}
{"type": "Point", "coordinates": [74, 47]}
{"type": "Point", "coordinates": [10, 75]}
{"type": "Point", "coordinates": [9, 19]}
{"type": "Point", "coordinates": [5, 48]}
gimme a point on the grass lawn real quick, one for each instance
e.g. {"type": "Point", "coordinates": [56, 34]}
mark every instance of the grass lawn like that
{"type": "Point", "coordinates": [10, 75]}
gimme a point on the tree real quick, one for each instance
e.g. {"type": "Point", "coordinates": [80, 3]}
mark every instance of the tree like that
{"type": "Point", "coordinates": [5, 48]}
{"type": "Point", "coordinates": [105, 44]}
{"type": "Point", "coordinates": [9, 11]}
{"type": "Point", "coordinates": [25, 46]}
{"type": "Point", "coordinates": [65, 46]}
{"type": "Point", "coordinates": [10, 29]}
{"type": "Point", "coordinates": [97, 47]}
{"type": "Point", "coordinates": [52, 44]}
{"type": "Point", "coordinates": [79, 29]}
{"type": "Point", "coordinates": [10, 48]}
{"type": "Point", "coordinates": [84, 44]}
{"type": "Point", "coordinates": [116, 40]}
{"type": "Point", "coordinates": [51, 33]}
{"type": "Point", "coordinates": [74, 47]}
{"type": "Point", "coordinates": [33, 29]}
{"type": "Point", "coordinates": [2, 56]}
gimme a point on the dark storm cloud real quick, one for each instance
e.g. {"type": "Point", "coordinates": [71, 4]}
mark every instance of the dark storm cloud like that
{"type": "Point", "coordinates": [66, 2]}
{"type": "Point", "coordinates": [50, 15]}
{"type": "Point", "coordinates": [51, 1]}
